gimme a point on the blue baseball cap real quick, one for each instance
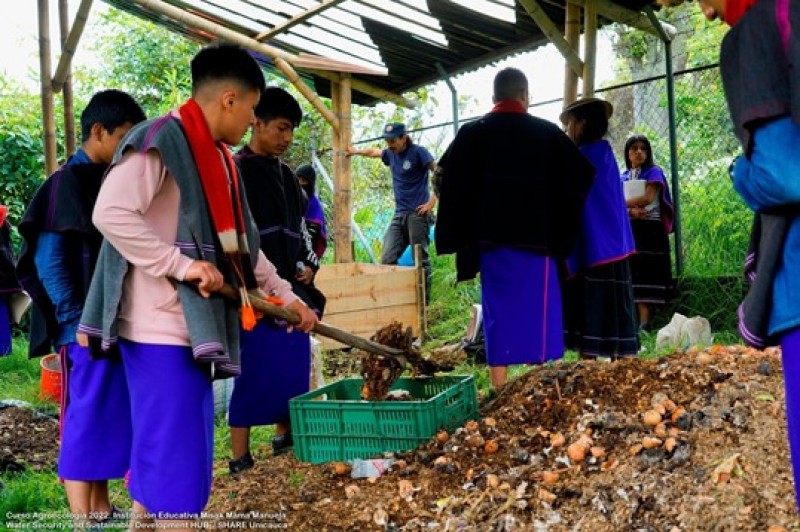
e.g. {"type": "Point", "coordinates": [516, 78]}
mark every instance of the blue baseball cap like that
{"type": "Point", "coordinates": [394, 130]}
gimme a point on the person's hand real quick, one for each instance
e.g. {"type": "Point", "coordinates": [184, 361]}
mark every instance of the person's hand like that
{"type": "Point", "coordinates": [207, 277]}
{"type": "Point", "coordinates": [82, 339]}
{"type": "Point", "coordinates": [426, 207]}
{"type": "Point", "coordinates": [308, 319]}
{"type": "Point", "coordinates": [637, 213]}
{"type": "Point", "coordinates": [306, 276]}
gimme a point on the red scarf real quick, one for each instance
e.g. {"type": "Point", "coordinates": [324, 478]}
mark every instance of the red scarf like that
{"type": "Point", "coordinates": [734, 9]}
{"type": "Point", "coordinates": [222, 197]}
{"type": "Point", "coordinates": [3, 213]}
{"type": "Point", "coordinates": [509, 106]}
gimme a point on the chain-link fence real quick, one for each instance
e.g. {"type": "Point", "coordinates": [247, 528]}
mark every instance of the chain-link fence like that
{"type": "Point", "coordinates": [714, 223]}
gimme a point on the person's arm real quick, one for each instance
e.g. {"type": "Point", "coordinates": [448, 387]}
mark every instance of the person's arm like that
{"type": "Point", "coordinates": [272, 284]}
{"type": "Point", "coordinates": [430, 163]}
{"type": "Point", "coordinates": [51, 260]}
{"type": "Point", "coordinates": [125, 196]}
{"type": "Point", "coordinates": [366, 152]}
{"type": "Point", "coordinates": [650, 192]}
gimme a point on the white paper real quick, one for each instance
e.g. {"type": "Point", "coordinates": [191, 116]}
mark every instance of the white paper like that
{"type": "Point", "coordinates": [634, 188]}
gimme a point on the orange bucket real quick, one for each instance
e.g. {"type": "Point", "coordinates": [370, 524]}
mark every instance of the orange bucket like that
{"type": "Point", "coordinates": [50, 384]}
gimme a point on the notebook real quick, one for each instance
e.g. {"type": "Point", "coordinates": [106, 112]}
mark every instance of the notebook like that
{"type": "Point", "coordinates": [634, 188]}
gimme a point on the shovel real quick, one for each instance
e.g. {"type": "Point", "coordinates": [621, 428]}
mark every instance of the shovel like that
{"type": "Point", "coordinates": [424, 366]}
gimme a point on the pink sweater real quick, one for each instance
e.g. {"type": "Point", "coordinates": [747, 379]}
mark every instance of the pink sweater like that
{"type": "Point", "coordinates": [137, 212]}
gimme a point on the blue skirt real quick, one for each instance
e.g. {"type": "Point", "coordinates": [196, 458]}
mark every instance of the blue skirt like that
{"type": "Point", "coordinates": [276, 366]}
{"type": "Point", "coordinates": [521, 300]}
{"type": "Point", "coordinates": [172, 406]}
{"type": "Point", "coordinates": [5, 326]}
{"type": "Point", "coordinates": [95, 417]}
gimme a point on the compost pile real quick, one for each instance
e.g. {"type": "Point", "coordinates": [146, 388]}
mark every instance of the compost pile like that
{"type": "Point", "coordinates": [694, 441]}
{"type": "Point", "coordinates": [27, 438]}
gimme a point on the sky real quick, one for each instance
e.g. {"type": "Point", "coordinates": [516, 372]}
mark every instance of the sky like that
{"type": "Point", "coordinates": [544, 67]}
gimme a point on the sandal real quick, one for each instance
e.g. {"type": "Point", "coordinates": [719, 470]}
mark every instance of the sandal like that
{"type": "Point", "coordinates": [282, 443]}
{"type": "Point", "coordinates": [242, 463]}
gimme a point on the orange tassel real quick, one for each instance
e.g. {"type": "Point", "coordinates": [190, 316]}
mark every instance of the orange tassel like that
{"type": "Point", "coordinates": [274, 300]}
{"type": "Point", "coordinates": [248, 318]}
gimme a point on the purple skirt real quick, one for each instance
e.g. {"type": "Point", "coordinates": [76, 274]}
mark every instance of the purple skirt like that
{"type": "Point", "coordinates": [521, 300]}
{"type": "Point", "coordinates": [5, 327]}
{"type": "Point", "coordinates": [95, 417]}
{"type": "Point", "coordinates": [172, 405]}
{"type": "Point", "coordinates": [276, 366]}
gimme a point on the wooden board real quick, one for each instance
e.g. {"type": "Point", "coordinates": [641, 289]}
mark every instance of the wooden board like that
{"type": "Point", "coordinates": [362, 298]}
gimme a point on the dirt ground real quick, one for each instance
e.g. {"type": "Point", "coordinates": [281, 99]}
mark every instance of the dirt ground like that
{"type": "Point", "coordinates": [718, 460]}
{"type": "Point", "coordinates": [27, 438]}
{"type": "Point", "coordinates": [725, 468]}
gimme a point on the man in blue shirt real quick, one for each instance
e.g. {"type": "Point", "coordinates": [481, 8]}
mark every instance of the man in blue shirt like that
{"type": "Point", "coordinates": [413, 216]}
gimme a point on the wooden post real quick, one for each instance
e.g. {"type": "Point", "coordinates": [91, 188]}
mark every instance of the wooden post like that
{"type": "Point", "coordinates": [589, 46]}
{"type": "Point", "coordinates": [421, 290]}
{"type": "Point", "coordinates": [549, 28]}
{"type": "Point", "coordinates": [572, 33]}
{"type": "Point", "coordinates": [343, 201]}
{"type": "Point", "coordinates": [69, 42]}
{"type": "Point", "coordinates": [48, 115]}
{"type": "Point", "coordinates": [69, 105]}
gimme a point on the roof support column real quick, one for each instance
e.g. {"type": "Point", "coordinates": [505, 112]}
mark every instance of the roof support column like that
{"type": "Point", "coordinates": [69, 107]}
{"type": "Point", "coordinates": [572, 34]}
{"type": "Point", "coordinates": [341, 93]}
{"type": "Point", "coordinates": [48, 114]}
{"type": "Point", "coordinates": [589, 46]}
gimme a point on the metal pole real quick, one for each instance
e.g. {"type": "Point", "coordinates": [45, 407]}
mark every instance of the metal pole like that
{"type": "Point", "coordinates": [453, 95]}
{"type": "Point", "coordinates": [673, 157]}
{"type": "Point", "coordinates": [673, 136]}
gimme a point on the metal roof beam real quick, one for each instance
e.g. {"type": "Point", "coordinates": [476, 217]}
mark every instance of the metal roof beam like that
{"type": "Point", "coordinates": [552, 32]}
{"type": "Point", "coordinates": [297, 19]}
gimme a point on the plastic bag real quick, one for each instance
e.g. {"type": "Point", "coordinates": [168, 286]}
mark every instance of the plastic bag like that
{"type": "Point", "coordinates": [317, 378]}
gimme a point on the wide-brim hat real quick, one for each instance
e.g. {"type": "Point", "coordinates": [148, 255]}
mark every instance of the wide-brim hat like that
{"type": "Point", "coordinates": [584, 102]}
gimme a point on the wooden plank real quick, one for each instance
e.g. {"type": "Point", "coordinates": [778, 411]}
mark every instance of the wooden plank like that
{"type": "Point", "coordinates": [352, 269]}
{"type": "Point", "coordinates": [368, 292]}
{"type": "Point", "coordinates": [365, 324]}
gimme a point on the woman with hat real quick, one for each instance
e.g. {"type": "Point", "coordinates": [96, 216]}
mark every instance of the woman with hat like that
{"type": "Point", "coordinates": [599, 313]}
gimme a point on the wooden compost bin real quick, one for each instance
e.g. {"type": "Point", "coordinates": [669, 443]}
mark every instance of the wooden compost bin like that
{"type": "Point", "coordinates": [362, 298]}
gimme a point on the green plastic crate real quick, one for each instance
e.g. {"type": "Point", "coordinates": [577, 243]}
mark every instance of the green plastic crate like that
{"type": "Point", "coordinates": [340, 426]}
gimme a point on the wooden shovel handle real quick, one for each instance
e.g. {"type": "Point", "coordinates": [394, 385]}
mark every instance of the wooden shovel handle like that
{"type": "Point", "coordinates": [322, 328]}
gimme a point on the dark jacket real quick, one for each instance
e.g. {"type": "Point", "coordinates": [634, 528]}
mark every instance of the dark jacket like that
{"type": "Point", "coordinates": [63, 204]}
{"type": "Point", "coordinates": [277, 204]}
{"type": "Point", "coordinates": [510, 179]}
{"type": "Point", "coordinates": [758, 64]}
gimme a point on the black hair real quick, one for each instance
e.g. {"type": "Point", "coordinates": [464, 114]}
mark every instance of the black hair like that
{"type": "Point", "coordinates": [224, 61]}
{"type": "Point", "coordinates": [110, 108]}
{"type": "Point", "coordinates": [277, 103]}
{"type": "Point", "coordinates": [648, 162]}
{"type": "Point", "coordinates": [596, 125]}
{"type": "Point", "coordinates": [307, 172]}
{"type": "Point", "coordinates": [509, 84]}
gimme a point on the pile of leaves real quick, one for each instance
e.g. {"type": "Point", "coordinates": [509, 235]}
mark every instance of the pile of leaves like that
{"type": "Point", "coordinates": [27, 438]}
{"type": "Point", "coordinates": [693, 441]}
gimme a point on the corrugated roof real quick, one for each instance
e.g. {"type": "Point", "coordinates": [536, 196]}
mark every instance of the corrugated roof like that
{"type": "Point", "coordinates": [406, 38]}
